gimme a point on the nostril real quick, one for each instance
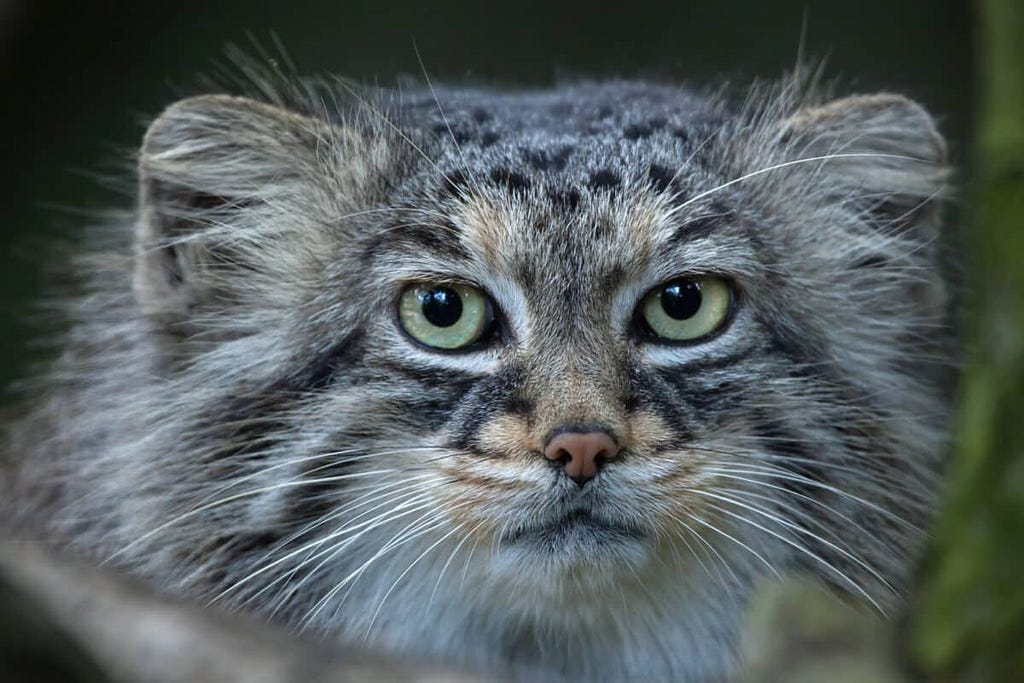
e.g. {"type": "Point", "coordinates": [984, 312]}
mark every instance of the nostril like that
{"type": "Point", "coordinates": [581, 454]}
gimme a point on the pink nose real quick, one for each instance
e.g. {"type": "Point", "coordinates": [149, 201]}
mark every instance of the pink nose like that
{"type": "Point", "coordinates": [581, 453]}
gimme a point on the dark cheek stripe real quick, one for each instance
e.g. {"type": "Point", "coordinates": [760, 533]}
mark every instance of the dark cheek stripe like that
{"type": "Point", "coordinates": [427, 377]}
{"type": "Point", "coordinates": [708, 400]}
{"type": "Point", "coordinates": [253, 418]}
{"type": "Point", "coordinates": [497, 393]}
{"type": "Point", "coordinates": [344, 354]}
{"type": "Point", "coordinates": [776, 438]}
{"type": "Point", "coordinates": [649, 391]}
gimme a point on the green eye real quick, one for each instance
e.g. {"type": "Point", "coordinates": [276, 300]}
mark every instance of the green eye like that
{"type": "Point", "coordinates": [687, 308]}
{"type": "Point", "coordinates": [444, 316]}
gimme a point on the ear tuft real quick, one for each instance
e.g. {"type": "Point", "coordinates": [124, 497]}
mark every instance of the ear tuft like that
{"type": "Point", "coordinates": [206, 166]}
{"type": "Point", "coordinates": [884, 123]}
{"type": "Point", "coordinates": [883, 147]}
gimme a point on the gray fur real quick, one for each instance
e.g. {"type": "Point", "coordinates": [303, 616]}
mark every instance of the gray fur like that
{"type": "Point", "coordinates": [237, 418]}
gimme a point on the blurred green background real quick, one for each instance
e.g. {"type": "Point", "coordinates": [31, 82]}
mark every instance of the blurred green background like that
{"type": "Point", "coordinates": [79, 79]}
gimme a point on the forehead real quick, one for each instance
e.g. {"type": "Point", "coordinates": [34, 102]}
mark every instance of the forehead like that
{"type": "Point", "coordinates": [586, 135]}
{"type": "Point", "coordinates": [549, 185]}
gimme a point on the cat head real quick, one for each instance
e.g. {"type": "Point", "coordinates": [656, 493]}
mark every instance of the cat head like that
{"type": "Point", "coordinates": [551, 341]}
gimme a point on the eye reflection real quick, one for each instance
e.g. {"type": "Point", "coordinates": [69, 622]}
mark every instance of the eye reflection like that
{"type": "Point", "coordinates": [445, 316]}
{"type": "Point", "coordinates": [687, 308]}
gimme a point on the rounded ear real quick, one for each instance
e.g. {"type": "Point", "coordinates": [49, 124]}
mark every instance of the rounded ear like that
{"type": "Point", "coordinates": [883, 147]}
{"type": "Point", "coordinates": [206, 167]}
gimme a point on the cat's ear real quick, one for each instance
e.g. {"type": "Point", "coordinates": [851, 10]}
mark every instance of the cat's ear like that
{"type": "Point", "coordinates": [882, 151]}
{"type": "Point", "coordinates": [211, 169]}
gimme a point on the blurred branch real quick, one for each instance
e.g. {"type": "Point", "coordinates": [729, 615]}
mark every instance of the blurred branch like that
{"type": "Point", "coordinates": [99, 627]}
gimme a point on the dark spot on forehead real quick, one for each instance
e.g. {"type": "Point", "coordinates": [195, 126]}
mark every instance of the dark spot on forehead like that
{"type": "Point", "coordinates": [488, 138]}
{"type": "Point", "coordinates": [548, 160]}
{"type": "Point", "coordinates": [604, 179]}
{"type": "Point", "coordinates": [568, 198]}
{"type": "Point", "coordinates": [481, 115]}
{"type": "Point", "coordinates": [454, 183]}
{"type": "Point", "coordinates": [660, 177]}
{"type": "Point", "coordinates": [511, 180]}
{"type": "Point", "coordinates": [681, 133]}
{"type": "Point", "coordinates": [460, 134]}
{"type": "Point", "coordinates": [638, 131]}
{"type": "Point", "coordinates": [602, 227]}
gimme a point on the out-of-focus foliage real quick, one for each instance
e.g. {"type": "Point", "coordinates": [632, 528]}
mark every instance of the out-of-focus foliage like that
{"type": "Point", "coordinates": [796, 632]}
{"type": "Point", "coordinates": [970, 621]}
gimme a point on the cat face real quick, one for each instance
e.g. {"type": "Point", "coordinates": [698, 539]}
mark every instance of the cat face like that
{"type": "Point", "coordinates": [567, 349]}
{"type": "Point", "coordinates": [541, 345]}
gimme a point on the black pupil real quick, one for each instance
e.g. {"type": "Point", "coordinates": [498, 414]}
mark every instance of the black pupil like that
{"type": "Point", "coordinates": [681, 299]}
{"type": "Point", "coordinates": [441, 306]}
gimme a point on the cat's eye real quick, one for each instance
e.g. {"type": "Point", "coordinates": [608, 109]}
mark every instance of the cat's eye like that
{"type": "Point", "coordinates": [448, 316]}
{"type": "Point", "coordinates": [687, 309]}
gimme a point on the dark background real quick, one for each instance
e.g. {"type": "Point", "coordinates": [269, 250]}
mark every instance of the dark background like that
{"type": "Point", "coordinates": [79, 79]}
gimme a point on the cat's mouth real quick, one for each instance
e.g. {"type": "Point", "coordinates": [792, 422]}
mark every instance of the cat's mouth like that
{"type": "Point", "coordinates": [578, 528]}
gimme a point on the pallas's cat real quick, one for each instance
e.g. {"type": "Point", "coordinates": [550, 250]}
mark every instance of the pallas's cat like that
{"type": "Point", "coordinates": [535, 382]}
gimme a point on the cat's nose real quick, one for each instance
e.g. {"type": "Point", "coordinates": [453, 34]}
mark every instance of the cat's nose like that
{"type": "Point", "coordinates": [582, 453]}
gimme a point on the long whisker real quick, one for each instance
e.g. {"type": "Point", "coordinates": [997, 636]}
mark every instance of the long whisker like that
{"type": "Point", "coordinates": [738, 542]}
{"type": "Point", "coordinates": [223, 501]}
{"type": "Point", "coordinates": [787, 164]}
{"type": "Point", "coordinates": [699, 537]}
{"type": "Point", "coordinates": [414, 504]}
{"type": "Point", "coordinates": [451, 556]}
{"type": "Point", "coordinates": [471, 176]}
{"type": "Point", "coordinates": [374, 491]}
{"type": "Point", "coordinates": [788, 492]}
{"type": "Point", "coordinates": [405, 572]}
{"type": "Point", "coordinates": [776, 472]}
{"type": "Point", "coordinates": [410, 532]}
{"type": "Point", "coordinates": [804, 550]}
{"type": "Point", "coordinates": [758, 510]}
{"type": "Point", "coordinates": [411, 505]}
{"type": "Point", "coordinates": [316, 456]}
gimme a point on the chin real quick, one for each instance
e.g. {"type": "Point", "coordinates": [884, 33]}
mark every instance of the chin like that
{"type": "Point", "coordinates": [579, 549]}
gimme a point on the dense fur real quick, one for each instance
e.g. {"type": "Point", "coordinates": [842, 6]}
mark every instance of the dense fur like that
{"type": "Point", "coordinates": [238, 418]}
